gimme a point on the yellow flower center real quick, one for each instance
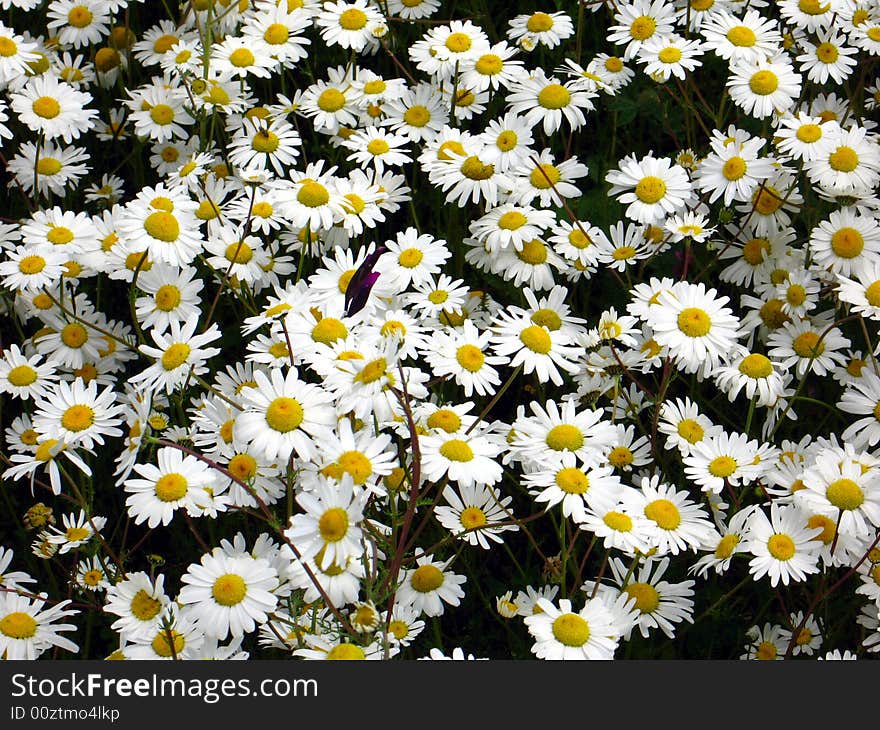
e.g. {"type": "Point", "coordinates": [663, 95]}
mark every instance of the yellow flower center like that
{"type": "Point", "coordinates": [565, 437]}
{"type": "Point", "coordinates": [554, 96]}
{"type": "Point", "coordinates": [74, 335]}
{"type": "Point", "coordinates": [243, 467]}
{"type": "Point", "coordinates": [694, 322]}
{"type": "Point", "coordinates": [162, 226]}
{"type": "Point", "coordinates": [22, 376]}
{"type": "Point", "coordinates": [313, 195]}
{"type": "Point", "coordinates": [539, 23]}
{"type": "Point", "coordinates": [241, 58]}
{"type": "Point", "coordinates": [807, 345]}
{"type": "Point", "coordinates": [827, 52]}
{"type": "Point", "coordinates": [756, 366]}
{"type": "Point", "coordinates": [726, 546]}
{"type": "Point", "coordinates": [171, 487]}
{"type": "Point", "coordinates": [229, 589]}
{"type": "Point", "coordinates": [417, 116]}
{"type": "Point", "coordinates": [572, 480]}
{"type": "Point", "coordinates": [847, 242]}
{"type": "Point", "coordinates": [664, 513]}
{"type": "Point", "coordinates": [734, 168]}
{"type": "Point", "coordinates": [690, 430]}
{"type": "Point", "coordinates": [458, 42]}
{"type": "Point", "coordinates": [144, 607]}
{"type": "Point", "coordinates": [59, 235]}
{"type": "Point", "coordinates": [329, 330]}
{"type": "Point", "coordinates": [722, 466]}
{"type": "Point", "coordinates": [512, 220]}
{"type": "Point", "coordinates": [763, 83]}
{"type": "Point", "coordinates": [331, 100]}
{"type": "Point", "coordinates": [670, 54]}
{"type": "Point", "coordinates": [46, 107]}
{"type": "Point", "coordinates": [569, 629]}
{"type": "Point", "coordinates": [163, 647]}
{"type": "Point", "coordinates": [265, 141]}
{"type": "Point", "coordinates": [238, 253]}
{"type": "Point", "coordinates": [489, 64]}
{"type": "Point", "coordinates": [353, 19]}
{"type": "Point", "coordinates": [373, 371]}
{"type": "Point", "coordinates": [618, 521]}
{"type": "Point", "coordinates": [474, 169]}
{"type": "Point", "coordinates": [346, 651]}
{"type": "Point", "coordinates": [766, 651]}
{"type": "Point", "coordinates": [18, 625]}
{"type": "Point", "coordinates": [470, 357]}
{"type": "Point", "coordinates": [333, 524]}
{"type": "Point", "coordinates": [167, 297]}
{"type": "Point", "coordinates": [650, 189]}
{"type": "Point", "coordinates": [620, 457]}
{"type": "Point", "coordinates": [843, 159]}
{"type": "Point", "coordinates": [426, 578]}
{"type": "Point", "coordinates": [533, 252]}
{"type": "Point", "coordinates": [845, 494]}
{"type": "Point", "coordinates": [175, 356]}
{"type": "Point", "coordinates": [872, 293]}
{"type": "Point", "coordinates": [457, 450]}
{"type": "Point", "coordinates": [742, 36]}
{"type": "Point", "coordinates": [445, 419]}
{"type": "Point", "coordinates": [276, 34]}
{"type": "Point", "coordinates": [781, 546]}
{"type": "Point", "coordinates": [77, 418]}
{"type": "Point", "coordinates": [536, 339]}
{"type": "Point", "coordinates": [642, 27]}
{"type": "Point", "coordinates": [544, 177]}
{"type": "Point", "coordinates": [647, 597]}
{"type": "Point", "coordinates": [284, 415]}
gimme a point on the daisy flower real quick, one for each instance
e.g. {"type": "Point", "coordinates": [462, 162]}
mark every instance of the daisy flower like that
{"type": "Point", "coordinates": [538, 349]}
{"type": "Point", "coordinates": [52, 108]}
{"type": "Point", "coordinates": [377, 148]}
{"type": "Point", "coordinates": [539, 28]}
{"type": "Point", "coordinates": [178, 355]}
{"type": "Point", "coordinates": [263, 142]}
{"type": "Point", "coordinates": [284, 415]}
{"type": "Point", "coordinates": [842, 490]}
{"type": "Point", "coordinates": [27, 630]}
{"type": "Point", "coordinates": [412, 258]}
{"type": "Point", "coordinates": [561, 633]}
{"type": "Point", "coordinates": [313, 199]}
{"type": "Point", "coordinates": [496, 68]}
{"type": "Point", "coordinates": [678, 523]}
{"type": "Point", "coordinates": [30, 268]}
{"type": "Point", "coordinates": [329, 104]}
{"type": "Point", "coordinates": [749, 38]}
{"type": "Point", "coordinates": [809, 635]}
{"type": "Point", "coordinates": [172, 296]}
{"type": "Point", "coordinates": [828, 58]}
{"type": "Point", "coordinates": [418, 113]}
{"type": "Point", "coordinates": [694, 325]}
{"type": "Point", "coordinates": [77, 414]}
{"type": "Point", "coordinates": [541, 98]}
{"type": "Point", "coordinates": [78, 23]}
{"type": "Point", "coordinates": [765, 643]}
{"type": "Point", "coordinates": [782, 545]}
{"type": "Point", "coordinates": [348, 24]}
{"type": "Point", "coordinates": [554, 430]}
{"type": "Point", "coordinates": [430, 585]}
{"type": "Point", "coordinates": [652, 187]}
{"type": "Point", "coordinates": [851, 165]}
{"type": "Point", "coordinates": [25, 377]}
{"type": "Point", "coordinates": [466, 459]}
{"type": "Point", "coordinates": [799, 344]}
{"type": "Point", "coordinates": [542, 178]}
{"type": "Point", "coordinates": [229, 595]}
{"type": "Point", "coordinates": [573, 486]}
{"type": "Point", "coordinates": [752, 373]}
{"type": "Point", "coordinates": [507, 142]}
{"type": "Point", "coordinates": [659, 603]}
{"type": "Point", "coordinates": [472, 511]}
{"type": "Point", "coordinates": [328, 528]}
{"type": "Point", "coordinates": [91, 576]}
{"type": "Point", "coordinates": [638, 21]}
{"type": "Point", "coordinates": [672, 55]}
{"type": "Point", "coordinates": [243, 56]}
{"type": "Point", "coordinates": [683, 425]}
{"type": "Point", "coordinates": [464, 354]}
{"type": "Point", "coordinates": [724, 544]}
{"type": "Point", "coordinates": [765, 86]}
{"type": "Point", "coordinates": [846, 242]}
{"type": "Point", "coordinates": [77, 531]}
{"type": "Point", "coordinates": [733, 171]}
{"type": "Point", "coordinates": [178, 481]}
{"type": "Point", "coordinates": [725, 458]}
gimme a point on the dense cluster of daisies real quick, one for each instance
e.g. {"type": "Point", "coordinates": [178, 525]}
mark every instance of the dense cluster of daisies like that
{"type": "Point", "coordinates": [257, 327]}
